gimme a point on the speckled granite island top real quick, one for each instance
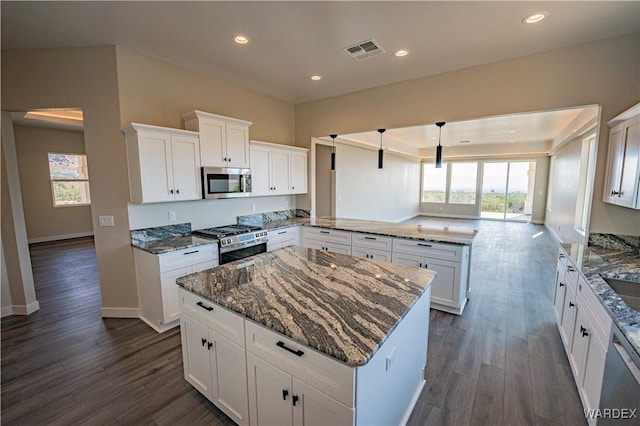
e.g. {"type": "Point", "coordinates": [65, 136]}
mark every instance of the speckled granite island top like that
{"type": "Point", "coordinates": [610, 257]}
{"type": "Point", "coordinates": [432, 233]}
{"type": "Point", "coordinates": [340, 305]}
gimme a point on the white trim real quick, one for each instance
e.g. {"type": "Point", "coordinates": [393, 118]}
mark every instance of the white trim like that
{"type": "Point", "coordinates": [453, 216]}
{"type": "Point", "coordinates": [119, 313]}
{"type": "Point", "coordinates": [552, 232]}
{"type": "Point", "coordinates": [162, 327]}
{"type": "Point", "coordinates": [535, 222]}
{"type": "Point", "coordinates": [6, 311]}
{"type": "Point", "coordinates": [60, 237]}
{"type": "Point", "coordinates": [412, 405]}
{"type": "Point", "coordinates": [25, 309]}
{"type": "Point", "coordinates": [402, 219]}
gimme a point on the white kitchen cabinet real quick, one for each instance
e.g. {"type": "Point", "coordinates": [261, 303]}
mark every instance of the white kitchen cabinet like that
{"type": "Point", "coordinates": [278, 169]}
{"type": "Point", "coordinates": [213, 364]}
{"type": "Point", "coordinates": [156, 278]}
{"type": "Point", "coordinates": [327, 240]}
{"type": "Point", "coordinates": [371, 246]}
{"type": "Point", "coordinates": [283, 237]}
{"type": "Point", "coordinates": [224, 141]}
{"type": "Point", "coordinates": [163, 163]}
{"type": "Point", "coordinates": [584, 326]}
{"type": "Point", "coordinates": [622, 182]}
{"type": "Point", "coordinates": [450, 261]}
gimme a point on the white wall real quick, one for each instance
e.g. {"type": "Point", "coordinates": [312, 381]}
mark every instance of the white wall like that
{"type": "Point", "coordinates": [365, 192]}
{"type": "Point", "coordinates": [205, 213]}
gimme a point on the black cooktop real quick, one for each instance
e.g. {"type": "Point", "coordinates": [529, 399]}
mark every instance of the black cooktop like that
{"type": "Point", "coordinates": [226, 231]}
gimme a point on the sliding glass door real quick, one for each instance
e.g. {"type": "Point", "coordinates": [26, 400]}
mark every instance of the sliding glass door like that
{"type": "Point", "coordinates": [507, 190]}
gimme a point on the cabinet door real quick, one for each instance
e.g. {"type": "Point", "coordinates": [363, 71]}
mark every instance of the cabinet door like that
{"type": "Point", "coordinates": [631, 161]}
{"type": "Point", "coordinates": [411, 260]}
{"type": "Point", "coordinates": [445, 289]}
{"type": "Point", "coordinates": [280, 171]}
{"type": "Point", "coordinates": [270, 393]}
{"type": "Point", "coordinates": [229, 378]}
{"type": "Point", "coordinates": [569, 313]}
{"type": "Point", "coordinates": [170, 300]}
{"type": "Point", "coordinates": [560, 291]}
{"type": "Point", "coordinates": [298, 172]}
{"type": "Point", "coordinates": [237, 146]}
{"type": "Point", "coordinates": [314, 244]}
{"type": "Point", "coordinates": [581, 338]}
{"type": "Point", "coordinates": [195, 355]}
{"type": "Point", "coordinates": [156, 169]}
{"type": "Point", "coordinates": [614, 164]}
{"type": "Point", "coordinates": [186, 167]}
{"type": "Point", "coordinates": [213, 138]}
{"type": "Point", "coordinates": [594, 372]}
{"type": "Point", "coordinates": [314, 408]}
{"type": "Point", "coordinates": [368, 253]}
{"type": "Point", "coordinates": [338, 248]}
{"type": "Point", "coordinates": [260, 170]}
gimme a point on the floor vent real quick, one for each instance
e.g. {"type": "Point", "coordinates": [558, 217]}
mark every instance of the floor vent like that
{"type": "Point", "coordinates": [364, 49]}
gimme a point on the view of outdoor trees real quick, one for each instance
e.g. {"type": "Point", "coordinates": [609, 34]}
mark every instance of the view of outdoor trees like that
{"type": "Point", "coordinates": [69, 179]}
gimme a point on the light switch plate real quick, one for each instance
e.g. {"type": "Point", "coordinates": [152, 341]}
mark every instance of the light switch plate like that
{"type": "Point", "coordinates": [106, 221]}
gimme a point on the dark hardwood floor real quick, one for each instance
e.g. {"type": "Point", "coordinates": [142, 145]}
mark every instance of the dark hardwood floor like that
{"type": "Point", "coordinates": [502, 362]}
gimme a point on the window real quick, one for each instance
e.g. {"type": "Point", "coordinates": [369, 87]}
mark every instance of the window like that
{"type": "Point", "coordinates": [434, 183]}
{"type": "Point", "coordinates": [69, 179]}
{"type": "Point", "coordinates": [464, 177]}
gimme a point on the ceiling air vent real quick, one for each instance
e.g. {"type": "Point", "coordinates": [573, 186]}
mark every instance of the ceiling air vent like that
{"type": "Point", "coordinates": [364, 49]}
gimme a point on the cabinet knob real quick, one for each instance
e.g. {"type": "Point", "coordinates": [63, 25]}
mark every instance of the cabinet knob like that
{"type": "Point", "coordinates": [293, 187]}
{"type": "Point", "coordinates": [224, 159]}
{"type": "Point", "coordinates": [209, 345]}
{"type": "Point", "coordinates": [561, 284]}
{"type": "Point", "coordinates": [204, 341]}
{"type": "Point", "coordinates": [285, 393]}
{"type": "Point", "coordinates": [171, 191]}
{"type": "Point", "coordinates": [420, 264]}
{"type": "Point", "coordinates": [295, 399]}
{"type": "Point", "coordinates": [177, 191]}
{"type": "Point", "coordinates": [571, 305]}
{"type": "Point", "coordinates": [229, 159]}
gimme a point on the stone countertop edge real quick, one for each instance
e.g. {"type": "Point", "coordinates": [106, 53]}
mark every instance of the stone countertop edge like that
{"type": "Point", "coordinates": [592, 265]}
{"type": "Point", "coordinates": [168, 245]}
{"type": "Point", "coordinates": [278, 295]}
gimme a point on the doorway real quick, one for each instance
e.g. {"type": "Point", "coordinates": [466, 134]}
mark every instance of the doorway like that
{"type": "Point", "coordinates": [507, 190]}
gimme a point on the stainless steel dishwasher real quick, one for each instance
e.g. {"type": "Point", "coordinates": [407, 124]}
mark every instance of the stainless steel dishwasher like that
{"type": "Point", "coordinates": [621, 383]}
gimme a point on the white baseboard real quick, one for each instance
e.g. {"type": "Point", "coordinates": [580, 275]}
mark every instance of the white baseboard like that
{"type": "Point", "coordinates": [445, 215]}
{"type": "Point", "coordinates": [5, 311]}
{"type": "Point", "coordinates": [412, 405]}
{"type": "Point", "coordinates": [553, 233]}
{"type": "Point", "coordinates": [161, 328]}
{"type": "Point", "coordinates": [59, 237]}
{"type": "Point", "coordinates": [120, 313]}
{"type": "Point", "coordinates": [25, 309]}
{"type": "Point", "coordinates": [538, 222]}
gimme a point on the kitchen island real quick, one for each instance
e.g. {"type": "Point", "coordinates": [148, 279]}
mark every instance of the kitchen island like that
{"type": "Point", "coordinates": [299, 336]}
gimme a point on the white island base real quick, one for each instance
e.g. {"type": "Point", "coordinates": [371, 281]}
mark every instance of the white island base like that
{"type": "Point", "coordinates": [287, 383]}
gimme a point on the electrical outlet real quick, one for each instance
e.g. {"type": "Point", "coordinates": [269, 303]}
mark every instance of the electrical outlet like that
{"type": "Point", "coordinates": [389, 359]}
{"type": "Point", "coordinates": [253, 207]}
{"type": "Point", "coordinates": [286, 204]}
{"type": "Point", "coordinates": [172, 216]}
{"type": "Point", "coordinates": [106, 221]}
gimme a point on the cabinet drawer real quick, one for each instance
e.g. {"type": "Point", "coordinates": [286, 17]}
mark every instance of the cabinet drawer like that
{"type": "Point", "coordinates": [328, 235]}
{"type": "Point", "coordinates": [372, 241]}
{"type": "Point", "coordinates": [187, 257]}
{"type": "Point", "coordinates": [571, 276]}
{"type": "Point", "coordinates": [318, 370]}
{"type": "Point", "coordinates": [285, 234]}
{"type": "Point", "coordinates": [451, 252]}
{"type": "Point", "coordinates": [217, 318]}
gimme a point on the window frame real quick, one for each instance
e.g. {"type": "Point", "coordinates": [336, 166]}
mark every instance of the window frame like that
{"type": "Point", "coordinates": [52, 180]}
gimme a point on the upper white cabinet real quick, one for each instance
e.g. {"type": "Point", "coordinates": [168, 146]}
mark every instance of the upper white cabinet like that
{"type": "Point", "coordinates": [278, 169]}
{"type": "Point", "coordinates": [164, 164]}
{"type": "Point", "coordinates": [224, 141]}
{"type": "Point", "coordinates": [623, 161]}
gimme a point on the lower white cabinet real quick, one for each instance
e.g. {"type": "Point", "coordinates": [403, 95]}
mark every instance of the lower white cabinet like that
{"type": "Point", "coordinates": [215, 366]}
{"type": "Point", "coordinates": [278, 398]}
{"type": "Point", "coordinates": [327, 240]}
{"type": "Point", "coordinates": [585, 328]}
{"type": "Point", "coordinates": [283, 237]}
{"type": "Point", "coordinates": [371, 246]}
{"type": "Point", "coordinates": [451, 262]}
{"type": "Point", "coordinates": [156, 276]}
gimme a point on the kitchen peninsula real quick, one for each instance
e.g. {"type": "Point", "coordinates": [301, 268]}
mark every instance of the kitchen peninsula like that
{"type": "Point", "coordinates": [299, 336]}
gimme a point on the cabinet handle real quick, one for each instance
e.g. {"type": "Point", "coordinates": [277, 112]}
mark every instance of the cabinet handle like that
{"type": "Point", "coordinates": [370, 238]}
{"type": "Point", "coordinates": [295, 399]}
{"type": "Point", "coordinates": [584, 332]}
{"type": "Point", "coordinates": [204, 341]}
{"type": "Point", "coordinates": [229, 159]}
{"type": "Point", "coordinates": [171, 191]}
{"type": "Point", "coordinates": [571, 269]}
{"type": "Point", "coordinates": [325, 232]}
{"type": "Point", "coordinates": [424, 245]}
{"type": "Point", "coordinates": [191, 252]}
{"type": "Point", "coordinates": [571, 305]}
{"type": "Point", "coordinates": [209, 345]}
{"type": "Point", "coordinates": [205, 307]}
{"type": "Point", "coordinates": [561, 256]}
{"type": "Point", "coordinates": [420, 264]}
{"type": "Point", "coordinates": [293, 187]}
{"type": "Point", "coordinates": [426, 266]}
{"type": "Point", "coordinates": [561, 284]}
{"type": "Point", "coordinates": [285, 393]}
{"type": "Point", "coordinates": [177, 191]}
{"type": "Point", "coordinates": [282, 232]}
{"type": "Point", "coordinates": [281, 344]}
{"type": "Point", "coordinates": [224, 159]}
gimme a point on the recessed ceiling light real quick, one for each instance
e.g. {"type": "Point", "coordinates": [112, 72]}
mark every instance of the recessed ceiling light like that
{"type": "Point", "coordinates": [316, 77]}
{"type": "Point", "coordinates": [512, 131]}
{"type": "Point", "coordinates": [240, 39]}
{"type": "Point", "coordinates": [402, 52]}
{"type": "Point", "coordinates": [511, 141]}
{"type": "Point", "coordinates": [536, 17]}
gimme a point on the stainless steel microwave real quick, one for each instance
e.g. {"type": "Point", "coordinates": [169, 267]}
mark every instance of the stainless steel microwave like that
{"type": "Point", "coordinates": [225, 182]}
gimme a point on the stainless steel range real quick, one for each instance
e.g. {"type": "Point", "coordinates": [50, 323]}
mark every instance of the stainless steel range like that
{"type": "Point", "coordinates": [236, 242]}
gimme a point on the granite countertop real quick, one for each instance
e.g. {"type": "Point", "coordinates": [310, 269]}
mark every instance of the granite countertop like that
{"type": "Point", "coordinates": [340, 305]}
{"type": "Point", "coordinates": [170, 244]}
{"type": "Point", "coordinates": [432, 233]}
{"type": "Point", "coordinates": [610, 257]}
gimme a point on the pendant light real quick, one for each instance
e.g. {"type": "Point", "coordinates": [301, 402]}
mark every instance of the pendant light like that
{"type": "Point", "coordinates": [380, 151]}
{"type": "Point", "coordinates": [333, 151]}
{"type": "Point", "coordinates": [439, 147]}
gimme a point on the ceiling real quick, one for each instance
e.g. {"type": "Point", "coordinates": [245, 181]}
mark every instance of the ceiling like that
{"type": "Point", "coordinates": [291, 40]}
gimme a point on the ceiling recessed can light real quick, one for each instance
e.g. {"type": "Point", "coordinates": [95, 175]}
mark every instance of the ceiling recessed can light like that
{"type": "Point", "coordinates": [240, 39]}
{"type": "Point", "coordinates": [536, 17]}
{"type": "Point", "coordinates": [316, 77]}
{"type": "Point", "coordinates": [402, 52]}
